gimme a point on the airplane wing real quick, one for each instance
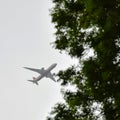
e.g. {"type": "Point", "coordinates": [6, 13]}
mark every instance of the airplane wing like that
{"type": "Point", "coordinates": [40, 71]}
{"type": "Point", "coordinates": [49, 75]}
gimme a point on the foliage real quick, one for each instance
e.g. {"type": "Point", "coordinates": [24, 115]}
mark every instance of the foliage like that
{"type": "Point", "coordinates": [82, 25]}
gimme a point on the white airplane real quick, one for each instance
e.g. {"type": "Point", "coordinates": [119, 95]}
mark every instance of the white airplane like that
{"type": "Point", "coordinates": [43, 73]}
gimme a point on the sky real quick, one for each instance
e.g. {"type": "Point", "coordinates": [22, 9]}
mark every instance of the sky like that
{"type": "Point", "coordinates": [26, 32]}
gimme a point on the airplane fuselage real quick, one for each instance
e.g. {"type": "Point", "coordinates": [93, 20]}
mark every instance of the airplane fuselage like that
{"type": "Point", "coordinates": [51, 67]}
{"type": "Point", "coordinates": [45, 72]}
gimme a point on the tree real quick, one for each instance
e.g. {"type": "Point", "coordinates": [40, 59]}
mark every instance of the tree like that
{"type": "Point", "coordinates": [83, 25]}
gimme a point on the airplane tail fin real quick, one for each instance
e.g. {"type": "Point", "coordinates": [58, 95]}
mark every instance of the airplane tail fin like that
{"type": "Point", "coordinates": [33, 81]}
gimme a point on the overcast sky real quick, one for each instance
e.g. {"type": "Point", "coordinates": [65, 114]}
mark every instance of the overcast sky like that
{"type": "Point", "coordinates": [26, 32]}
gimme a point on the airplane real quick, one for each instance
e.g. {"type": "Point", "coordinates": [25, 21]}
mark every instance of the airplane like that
{"type": "Point", "coordinates": [43, 73]}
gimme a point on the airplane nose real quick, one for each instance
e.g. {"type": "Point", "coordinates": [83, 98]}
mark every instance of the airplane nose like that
{"type": "Point", "coordinates": [55, 64]}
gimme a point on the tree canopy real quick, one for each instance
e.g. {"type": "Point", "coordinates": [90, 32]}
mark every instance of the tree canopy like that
{"type": "Point", "coordinates": [83, 25]}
